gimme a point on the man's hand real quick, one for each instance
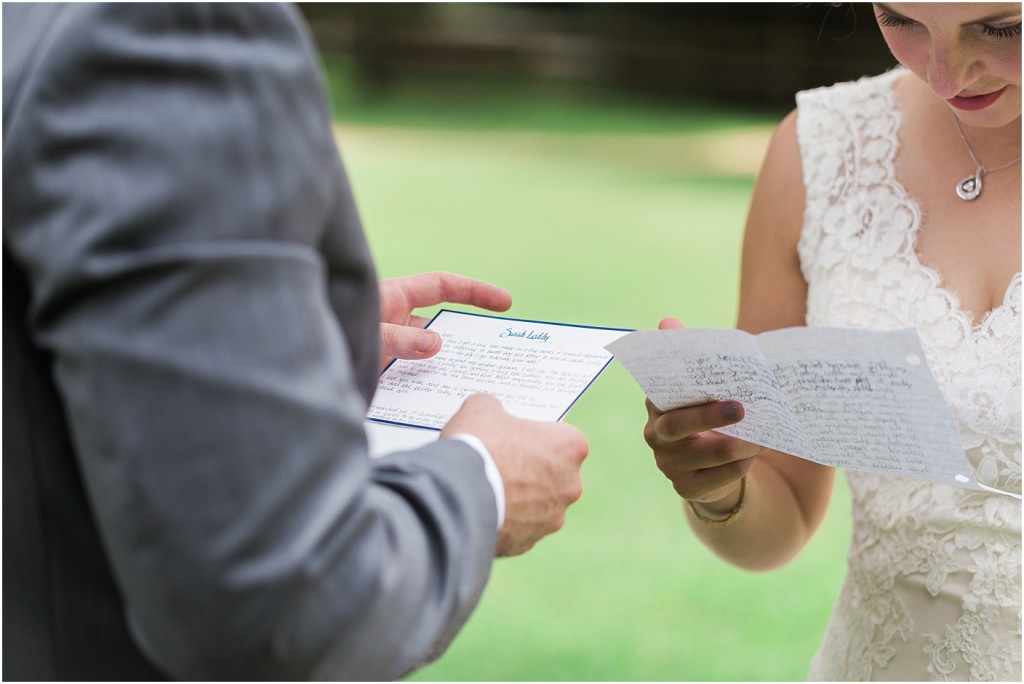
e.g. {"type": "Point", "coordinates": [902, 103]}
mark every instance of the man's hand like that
{"type": "Point", "coordinates": [401, 333]}
{"type": "Point", "coordinates": [539, 464]}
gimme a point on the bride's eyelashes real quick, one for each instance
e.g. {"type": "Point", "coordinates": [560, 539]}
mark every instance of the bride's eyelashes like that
{"type": "Point", "coordinates": [890, 20]}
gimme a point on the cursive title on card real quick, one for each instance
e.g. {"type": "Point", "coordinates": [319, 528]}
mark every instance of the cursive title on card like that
{"type": "Point", "coordinates": [525, 334]}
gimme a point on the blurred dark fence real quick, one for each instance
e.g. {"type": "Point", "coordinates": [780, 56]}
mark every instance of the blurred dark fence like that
{"type": "Point", "coordinates": [751, 53]}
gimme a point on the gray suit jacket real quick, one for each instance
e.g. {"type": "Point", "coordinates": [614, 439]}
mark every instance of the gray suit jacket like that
{"type": "Point", "coordinates": [190, 342]}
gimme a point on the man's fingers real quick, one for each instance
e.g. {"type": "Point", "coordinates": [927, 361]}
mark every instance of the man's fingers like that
{"type": "Point", "coordinates": [418, 321]}
{"type": "Point", "coordinates": [406, 342]}
{"type": "Point", "coordinates": [670, 324]}
{"type": "Point", "coordinates": [430, 289]}
{"type": "Point", "coordinates": [480, 402]}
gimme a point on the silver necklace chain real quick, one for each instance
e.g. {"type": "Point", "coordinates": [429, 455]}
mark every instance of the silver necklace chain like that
{"type": "Point", "coordinates": [970, 187]}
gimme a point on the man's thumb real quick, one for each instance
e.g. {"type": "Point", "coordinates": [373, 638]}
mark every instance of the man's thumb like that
{"type": "Point", "coordinates": [408, 342]}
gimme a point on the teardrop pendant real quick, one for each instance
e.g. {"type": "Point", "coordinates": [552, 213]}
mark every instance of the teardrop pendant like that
{"type": "Point", "coordinates": [969, 188]}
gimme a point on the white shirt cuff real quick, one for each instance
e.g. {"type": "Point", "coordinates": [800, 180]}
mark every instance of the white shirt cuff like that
{"type": "Point", "coordinates": [493, 475]}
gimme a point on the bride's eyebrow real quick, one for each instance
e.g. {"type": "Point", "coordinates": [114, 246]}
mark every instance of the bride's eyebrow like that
{"type": "Point", "coordinates": [992, 18]}
{"type": "Point", "coordinates": [996, 18]}
{"type": "Point", "coordinates": [889, 10]}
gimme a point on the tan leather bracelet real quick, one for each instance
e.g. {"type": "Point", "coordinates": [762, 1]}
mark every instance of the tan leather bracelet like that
{"type": "Point", "coordinates": [731, 516]}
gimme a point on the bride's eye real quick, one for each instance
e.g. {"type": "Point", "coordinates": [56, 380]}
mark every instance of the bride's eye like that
{"type": "Point", "coordinates": [1002, 31]}
{"type": "Point", "coordinates": [893, 20]}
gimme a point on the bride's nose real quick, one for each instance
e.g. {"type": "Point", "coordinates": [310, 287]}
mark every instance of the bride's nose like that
{"type": "Point", "coordinates": [949, 68]}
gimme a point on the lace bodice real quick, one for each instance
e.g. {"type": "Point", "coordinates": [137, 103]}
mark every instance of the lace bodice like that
{"type": "Point", "coordinates": [934, 578]}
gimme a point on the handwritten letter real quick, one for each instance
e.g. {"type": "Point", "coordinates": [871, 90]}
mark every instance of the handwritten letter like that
{"type": "Point", "coordinates": [856, 399]}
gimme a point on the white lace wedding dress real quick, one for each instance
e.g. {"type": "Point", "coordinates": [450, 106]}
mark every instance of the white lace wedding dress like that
{"type": "Point", "coordinates": [933, 590]}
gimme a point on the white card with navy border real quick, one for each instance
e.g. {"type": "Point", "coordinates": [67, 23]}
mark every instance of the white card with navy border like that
{"type": "Point", "coordinates": [537, 369]}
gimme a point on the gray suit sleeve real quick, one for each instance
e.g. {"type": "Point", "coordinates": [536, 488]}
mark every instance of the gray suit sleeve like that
{"type": "Point", "coordinates": [198, 272]}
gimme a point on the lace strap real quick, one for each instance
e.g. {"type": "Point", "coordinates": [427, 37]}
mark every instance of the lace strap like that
{"type": "Point", "coordinates": [836, 123]}
{"type": "Point", "coordinates": [847, 135]}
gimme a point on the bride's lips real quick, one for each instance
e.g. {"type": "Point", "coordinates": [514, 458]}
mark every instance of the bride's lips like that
{"type": "Point", "coordinates": [975, 102]}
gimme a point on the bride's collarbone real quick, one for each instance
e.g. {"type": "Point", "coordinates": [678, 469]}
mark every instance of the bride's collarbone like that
{"type": "Point", "coordinates": [974, 246]}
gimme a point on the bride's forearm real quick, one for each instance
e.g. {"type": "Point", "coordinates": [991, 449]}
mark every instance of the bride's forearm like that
{"type": "Point", "coordinates": [784, 501]}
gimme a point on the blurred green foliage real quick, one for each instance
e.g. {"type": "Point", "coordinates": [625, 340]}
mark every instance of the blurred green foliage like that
{"type": "Point", "coordinates": [457, 101]}
{"type": "Point", "coordinates": [599, 212]}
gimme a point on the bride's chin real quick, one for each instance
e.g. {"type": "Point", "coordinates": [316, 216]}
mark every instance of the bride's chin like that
{"type": "Point", "coordinates": [995, 117]}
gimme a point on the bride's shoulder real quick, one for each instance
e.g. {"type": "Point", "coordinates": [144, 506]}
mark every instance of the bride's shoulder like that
{"type": "Point", "coordinates": [864, 97]}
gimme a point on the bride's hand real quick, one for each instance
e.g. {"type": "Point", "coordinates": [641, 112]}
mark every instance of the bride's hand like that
{"type": "Point", "coordinates": [703, 465]}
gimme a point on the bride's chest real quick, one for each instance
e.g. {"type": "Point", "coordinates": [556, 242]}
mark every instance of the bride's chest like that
{"type": "Point", "coordinates": [973, 246]}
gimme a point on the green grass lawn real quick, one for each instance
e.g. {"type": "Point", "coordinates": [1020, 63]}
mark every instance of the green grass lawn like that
{"type": "Point", "coordinates": [603, 212]}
